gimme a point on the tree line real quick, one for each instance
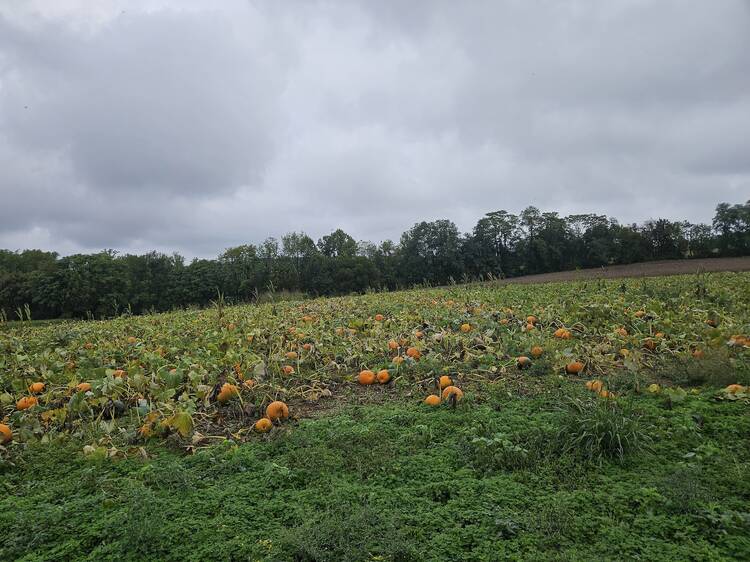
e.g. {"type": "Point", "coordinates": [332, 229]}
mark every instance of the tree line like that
{"type": "Point", "coordinates": [42, 285]}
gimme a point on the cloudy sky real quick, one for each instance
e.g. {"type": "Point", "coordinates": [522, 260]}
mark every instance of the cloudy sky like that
{"type": "Point", "coordinates": [182, 126]}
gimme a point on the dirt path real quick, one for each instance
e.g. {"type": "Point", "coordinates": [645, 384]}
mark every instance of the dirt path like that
{"type": "Point", "coordinates": [644, 269]}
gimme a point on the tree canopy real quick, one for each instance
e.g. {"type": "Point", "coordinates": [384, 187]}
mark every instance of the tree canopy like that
{"type": "Point", "coordinates": [500, 245]}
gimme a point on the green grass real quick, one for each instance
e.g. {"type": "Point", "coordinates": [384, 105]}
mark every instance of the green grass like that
{"type": "Point", "coordinates": [504, 476]}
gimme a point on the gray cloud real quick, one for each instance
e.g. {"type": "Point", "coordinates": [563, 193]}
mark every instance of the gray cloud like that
{"type": "Point", "coordinates": [175, 126]}
{"type": "Point", "coordinates": [148, 102]}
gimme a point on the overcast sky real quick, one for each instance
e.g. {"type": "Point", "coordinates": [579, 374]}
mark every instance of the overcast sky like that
{"type": "Point", "coordinates": [181, 126]}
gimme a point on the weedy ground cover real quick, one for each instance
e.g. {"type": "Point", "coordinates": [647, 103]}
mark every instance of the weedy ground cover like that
{"type": "Point", "coordinates": [488, 480]}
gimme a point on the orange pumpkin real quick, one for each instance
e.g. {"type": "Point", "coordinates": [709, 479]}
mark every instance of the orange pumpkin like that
{"type": "Point", "coordinates": [649, 344]}
{"type": "Point", "coordinates": [26, 402]}
{"type": "Point", "coordinates": [119, 373]}
{"type": "Point", "coordinates": [227, 392]}
{"type": "Point", "coordinates": [465, 328]}
{"type": "Point", "coordinates": [523, 362]}
{"type": "Point", "coordinates": [574, 368]}
{"type": "Point", "coordinates": [595, 386]}
{"type": "Point", "coordinates": [734, 388]}
{"type": "Point", "coordinates": [536, 351]}
{"type": "Point", "coordinates": [445, 381]}
{"type": "Point", "coordinates": [383, 376]}
{"type": "Point", "coordinates": [531, 320]}
{"type": "Point", "coordinates": [393, 345]}
{"type": "Point", "coordinates": [5, 434]}
{"type": "Point", "coordinates": [288, 370]}
{"type": "Point", "coordinates": [418, 334]}
{"type": "Point", "coordinates": [132, 340]}
{"type": "Point", "coordinates": [698, 354]}
{"type": "Point", "coordinates": [397, 360]}
{"type": "Point", "coordinates": [432, 400]}
{"type": "Point", "coordinates": [307, 346]}
{"type": "Point", "coordinates": [622, 332]}
{"type": "Point", "coordinates": [452, 391]}
{"type": "Point", "coordinates": [263, 425]}
{"type": "Point", "coordinates": [277, 410]}
{"type": "Point", "coordinates": [739, 340]}
{"type": "Point", "coordinates": [414, 353]}
{"type": "Point", "coordinates": [366, 377]}
{"type": "Point", "coordinates": [249, 383]}
{"type": "Point", "coordinates": [36, 388]}
{"type": "Point", "coordinates": [379, 317]}
{"type": "Point", "coordinates": [563, 334]}
{"type": "Point", "coordinates": [291, 355]}
{"type": "Point", "coordinates": [83, 387]}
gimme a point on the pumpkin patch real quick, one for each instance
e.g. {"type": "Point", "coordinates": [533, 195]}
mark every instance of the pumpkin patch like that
{"type": "Point", "coordinates": [199, 375]}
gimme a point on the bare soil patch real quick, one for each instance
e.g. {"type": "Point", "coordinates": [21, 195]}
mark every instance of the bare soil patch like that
{"type": "Point", "coordinates": [643, 269]}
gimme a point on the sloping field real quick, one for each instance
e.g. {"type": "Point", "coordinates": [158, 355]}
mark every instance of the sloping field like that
{"type": "Point", "coordinates": [603, 420]}
{"type": "Point", "coordinates": [643, 269]}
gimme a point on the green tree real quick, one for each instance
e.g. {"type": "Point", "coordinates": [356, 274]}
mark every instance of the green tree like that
{"type": "Point", "coordinates": [338, 244]}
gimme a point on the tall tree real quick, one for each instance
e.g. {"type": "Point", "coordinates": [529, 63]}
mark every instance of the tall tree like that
{"type": "Point", "coordinates": [338, 244]}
